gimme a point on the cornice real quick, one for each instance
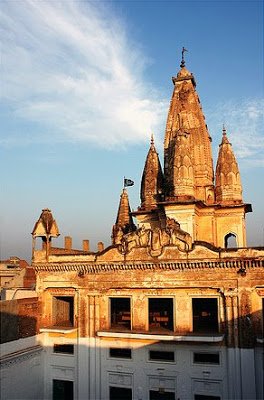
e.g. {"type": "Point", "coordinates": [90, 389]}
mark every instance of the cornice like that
{"type": "Point", "coordinates": [86, 268]}
{"type": "Point", "coordinates": [19, 356]}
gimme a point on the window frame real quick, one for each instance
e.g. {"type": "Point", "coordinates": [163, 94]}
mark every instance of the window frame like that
{"type": "Point", "coordinates": [110, 312]}
{"type": "Point", "coordinates": [172, 298]}
{"type": "Point", "coordinates": [165, 391]}
{"type": "Point", "coordinates": [61, 352]}
{"type": "Point", "coordinates": [62, 380]}
{"type": "Point", "coordinates": [119, 387]}
{"type": "Point", "coordinates": [210, 331]}
{"type": "Point", "coordinates": [206, 363]}
{"type": "Point", "coordinates": [120, 358]}
{"type": "Point", "coordinates": [152, 360]}
{"type": "Point", "coordinates": [216, 397]}
{"type": "Point", "coordinates": [56, 297]}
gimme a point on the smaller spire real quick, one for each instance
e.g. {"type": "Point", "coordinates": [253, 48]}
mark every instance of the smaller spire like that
{"type": "Point", "coordinates": [182, 60]}
{"type": "Point", "coordinates": [152, 179]}
{"type": "Point", "coordinates": [228, 188]}
{"type": "Point", "coordinates": [124, 221]}
{"type": "Point", "coordinates": [46, 225]}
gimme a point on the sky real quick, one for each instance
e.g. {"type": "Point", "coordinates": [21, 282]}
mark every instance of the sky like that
{"type": "Point", "coordinates": [83, 86]}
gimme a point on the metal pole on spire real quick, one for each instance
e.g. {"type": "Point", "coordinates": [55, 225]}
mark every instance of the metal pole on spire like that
{"type": "Point", "coordinates": [182, 60]}
{"type": "Point", "coordinates": [152, 140]}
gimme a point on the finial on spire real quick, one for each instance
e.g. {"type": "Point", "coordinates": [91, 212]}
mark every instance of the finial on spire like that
{"type": "Point", "coordinates": [224, 137]}
{"type": "Point", "coordinates": [182, 60]}
{"type": "Point", "coordinates": [152, 140]}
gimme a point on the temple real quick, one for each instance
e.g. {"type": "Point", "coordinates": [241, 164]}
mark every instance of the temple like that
{"type": "Point", "coordinates": [173, 308]}
{"type": "Point", "coordinates": [209, 210]}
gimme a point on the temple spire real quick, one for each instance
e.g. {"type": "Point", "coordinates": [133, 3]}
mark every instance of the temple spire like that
{"type": "Point", "coordinates": [228, 186]}
{"type": "Point", "coordinates": [186, 126]}
{"type": "Point", "coordinates": [124, 221]}
{"type": "Point", "coordinates": [152, 179]}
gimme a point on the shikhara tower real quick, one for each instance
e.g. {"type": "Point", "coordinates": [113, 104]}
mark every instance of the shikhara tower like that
{"type": "Point", "coordinates": [210, 210]}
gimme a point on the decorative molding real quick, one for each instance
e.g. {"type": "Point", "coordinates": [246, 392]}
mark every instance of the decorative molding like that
{"type": "Point", "coordinates": [19, 356]}
{"type": "Point", "coordinates": [214, 338]}
{"type": "Point", "coordinates": [87, 268]}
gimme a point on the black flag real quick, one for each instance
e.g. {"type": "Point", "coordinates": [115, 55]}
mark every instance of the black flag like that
{"type": "Point", "coordinates": [128, 182]}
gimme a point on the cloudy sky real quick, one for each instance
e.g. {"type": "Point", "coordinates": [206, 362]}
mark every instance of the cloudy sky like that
{"type": "Point", "coordinates": [83, 86]}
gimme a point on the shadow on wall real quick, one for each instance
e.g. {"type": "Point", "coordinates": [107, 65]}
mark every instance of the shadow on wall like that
{"type": "Point", "coordinates": [117, 360]}
{"type": "Point", "coordinates": [18, 319]}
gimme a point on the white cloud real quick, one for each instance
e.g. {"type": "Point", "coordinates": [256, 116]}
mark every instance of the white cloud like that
{"type": "Point", "coordinates": [244, 122]}
{"type": "Point", "coordinates": [69, 66]}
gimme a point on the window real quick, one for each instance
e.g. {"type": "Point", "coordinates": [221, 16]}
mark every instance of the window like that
{"type": "Point", "coordinates": [158, 355]}
{"type": "Point", "coordinates": [161, 314]}
{"type": "Point", "coordinates": [119, 393]}
{"type": "Point", "coordinates": [206, 358]}
{"type": "Point", "coordinates": [120, 313]}
{"type": "Point", "coordinates": [205, 315]}
{"type": "Point", "coordinates": [62, 390]}
{"type": "Point", "coordinates": [161, 395]}
{"type": "Point", "coordinates": [119, 353]}
{"type": "Point", "coordinates": [63, 311]}
{"type": "Point", "coordinates": [63, 348]}
{"type": "Point", "coordinates": [230, 241]}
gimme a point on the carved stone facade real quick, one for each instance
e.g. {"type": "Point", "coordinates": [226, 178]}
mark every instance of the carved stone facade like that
{"type": "Point", "coordinates": [169, 307]}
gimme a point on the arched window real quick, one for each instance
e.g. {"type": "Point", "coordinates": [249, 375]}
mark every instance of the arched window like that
{"type": "Point", "coordinates": [230, 241]}
{"type": "Point", "coordinates": [38, 243]}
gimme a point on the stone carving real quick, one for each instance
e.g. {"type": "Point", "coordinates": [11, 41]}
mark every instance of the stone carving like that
{"type": "Point", "coordinates": [155, 239]}
{"type": "Point", "coordinates": [184, 92]}
{"type": "Point", "coordinates": [21, 356]}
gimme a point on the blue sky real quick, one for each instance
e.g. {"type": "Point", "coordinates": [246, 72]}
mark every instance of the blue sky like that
{"type": "Point", "coordinates": [83, 86]}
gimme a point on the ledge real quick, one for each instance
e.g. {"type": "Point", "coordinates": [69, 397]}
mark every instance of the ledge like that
{"type": "Point", "coordinates": [27, 352]}
{"type": "Point", "coordinates": [214, 338]}
{"type": "Point", "coordinates": [58, 329]}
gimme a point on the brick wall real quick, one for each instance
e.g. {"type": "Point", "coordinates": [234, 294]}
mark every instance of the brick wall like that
{"type": "Point", "coordinates": [19, 319]}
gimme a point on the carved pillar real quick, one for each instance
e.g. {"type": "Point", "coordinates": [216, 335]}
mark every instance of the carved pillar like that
{"type": "Point", "coordinates": [230, 340]}
{"type": "Point", "coordinates": [83, 320]}
{"type": "Point", "coordinates": [91, 303]}
{"type": "Point", "coordinates": [246, 331]}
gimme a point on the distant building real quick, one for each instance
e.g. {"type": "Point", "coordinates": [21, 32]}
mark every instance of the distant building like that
{"type": "Point", "coordinates": [173, 309]}
{"type": "Point", "coordinates": [17, 279]}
